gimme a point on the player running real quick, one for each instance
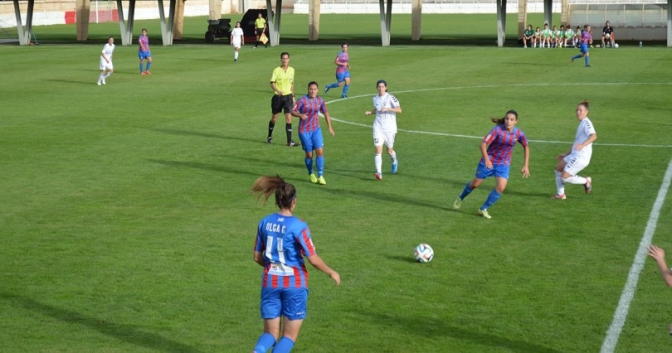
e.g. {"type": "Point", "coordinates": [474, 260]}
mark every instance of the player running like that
{"type": "Point", "coordinates": [307, 108]}
{"type": "Point", "coordinates": [585, 40]}
{"type": "Point", "coordinates": [578, 157]}
{"type": "Point", "coordinates": [386, 107]}
{"type": "Point", "coordinates": [342, 62]}
{"type": "Point", "coordinates": [496, 149]}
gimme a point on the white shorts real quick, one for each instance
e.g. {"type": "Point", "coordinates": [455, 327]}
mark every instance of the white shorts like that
{"type": "Point", "coordinates": [236, 44]}
{"type": "Point", "coordinates": [575, 163]}
{"type": "Point", "coordinates": [104, 65]}
{"type": "Point", "coordinates": [382, 137]}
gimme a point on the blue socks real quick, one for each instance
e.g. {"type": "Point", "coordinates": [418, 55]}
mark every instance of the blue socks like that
{"type": "Point", "coordinates": [492, 198]}
{"type": "Point", "coordinates": [141, 67]}
{"type": "Point", "coordinates": [319, 161]}
{"type": "Point", "coordinates": [309, 165]}
{"type": "Point", "coordinates": [345, 89]}
{"type": "Point", "coordinates": [265, 342]}
{"type": "Point", "coordinates": [284, 345]}
{"type": "Point", "coordinates": [466, 191]}
{"type": "Point", "coordinates": [587, 60]}
{"type": "Point", "coordinates": [576, 57]}
{"type": "Point", "coordinates": [332, 85]}
{"type": "Point", "coordinates": [149, 64]}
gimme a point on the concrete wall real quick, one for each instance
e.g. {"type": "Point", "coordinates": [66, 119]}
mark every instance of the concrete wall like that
{"type": "Point", "coordinates": [465, 7]}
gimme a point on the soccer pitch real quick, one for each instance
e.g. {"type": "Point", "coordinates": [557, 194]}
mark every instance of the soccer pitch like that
{"type": "Point", "coordinates": [127, 224]}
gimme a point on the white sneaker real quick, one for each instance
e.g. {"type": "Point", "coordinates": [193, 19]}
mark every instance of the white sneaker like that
{"type": "Point", "coordinates": [103, 81]}
{"type": "Point", "coordinates": [98, 82]}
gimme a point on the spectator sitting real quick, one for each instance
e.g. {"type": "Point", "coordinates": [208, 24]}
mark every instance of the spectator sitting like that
{"type": "Point", "coordinates": [528, 36]}
{"type": "Point", "coordinates": [608, 34]}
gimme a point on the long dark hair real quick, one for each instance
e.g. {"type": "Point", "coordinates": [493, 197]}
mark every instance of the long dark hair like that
{"type": "Point", "coordinates": [285, 192]}
{"type": "Point", "coordinates": [500, 121]}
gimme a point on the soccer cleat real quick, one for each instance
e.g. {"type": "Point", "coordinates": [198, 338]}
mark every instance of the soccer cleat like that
{"type": "Point", "coordinates": [99, 83]}
{"type": "Point", "coordinates": [292, 144]}
{"type": "Point", "coordinates": [104, 81]}
{"type": "Point", "coordinates": [588, 185]}
{"type": "Point", "coordinates": [147, 73]}
{"type": "Point", "coordinates": [457, 204]}
{"type": "Point", "coordinates": [235, 60]}
{"type": "Point", "coordinates": [326, 89]}
{"type": "Point", "coordinates": [484, 214]}
{"type": "Point", "coordinates": [394, 167]}
{"type": "Point", "coordinates": [559, 197]}
{"type": "Point", "coordinates": [378, 176]}
{"type": "Point", "coordinates": [344, 96]}
{"type": "Point", "coordinates": [269, 140]}
{"type": "Point", "coordinates": [572, 59]}
{"type": "Point", "coordinates": [321, 181]}
{"type": "Point", "coordinates": [143, 73]}
{"type": "Point", "coordinates": [313, 178]}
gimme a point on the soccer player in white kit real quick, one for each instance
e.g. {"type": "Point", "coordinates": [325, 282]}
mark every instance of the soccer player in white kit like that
{"type": "Point", "coordinates": [237, 39]}
{"type": "Point", "coordinates": [106, 61]}
{"type": "Point", "coordinates": [386, 107]}
{"type": "Point", "coordinates": [577, 158]}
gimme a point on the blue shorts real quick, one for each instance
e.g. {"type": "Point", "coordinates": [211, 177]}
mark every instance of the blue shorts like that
{"type": "Point", "coordinates": [584, 47]}
{"type": "Point", "coordinates": [144, 55]}
{"type": "Point", "coordinates": [287, 302]}
{"type": "Point", "coordinates": [498, 171]}
{"type": "Point", "coordinates": [311, 140]}
{"type": "Point", "coordinates": [340, 77]}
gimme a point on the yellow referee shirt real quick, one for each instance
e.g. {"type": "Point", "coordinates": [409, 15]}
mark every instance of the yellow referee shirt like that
{"type": "Point", "coordinates": [284, 80]}
{"type": "Point", "coordinates": [260, 23]}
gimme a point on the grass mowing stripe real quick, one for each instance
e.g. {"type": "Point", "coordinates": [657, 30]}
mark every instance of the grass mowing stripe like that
{"type": "Point", "coordinates": [621, 313]}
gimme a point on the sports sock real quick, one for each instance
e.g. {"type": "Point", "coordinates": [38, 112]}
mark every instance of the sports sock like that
{"type": "Point", "coordinates": [284, 345]}
{"type": "Point", "coordinates": [107, 74]}
{"type": "Point", "coordinates": [101, 77]}
{"type": "Point", "coordinates": [378, 161]}
{"type": "Point", "coordinates": [587, 60]}
{"type": "Point", "coordinates": [288, 130]}
{"type": "Point", "coordinates": [319, 162]}
{"type": "Point", "coordinates": [393, 157]}
{"type": "Point", "coordinates": [492, 198]}
{"type": "Point", "coordinates": [576, 56]}
{"type": "Point", "coordinates": [149, 64]}
{"type": "Point", "coordinates": [271, 125]}
{"type": "Point", "coordinates": [345, 89]}
{"type": "Point", "coordinates": [235, 55]}
{"type": "Point", "coordinates": [332, 85]}
{"type": "Point", "coordinates": [575, 180]}
{"type": "Point", "coordinates": [141, 67]}
{"type": "Point", "coordinates": [309, 164]}
{"type": "Point", "coordinates": [466, 191]}
{"type": "Point", "coordinates": [559, 184]}
{"type": "Point", "coordinates": [265, 342]}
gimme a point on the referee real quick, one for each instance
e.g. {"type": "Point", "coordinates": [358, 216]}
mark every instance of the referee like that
{"type": "Point", "coordinates": [282, 83]}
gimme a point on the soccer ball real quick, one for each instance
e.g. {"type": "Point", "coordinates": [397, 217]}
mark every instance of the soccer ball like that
{"type": "Point", "coordinates": [615, 45]}
{"type": "Point", "coordinates": [607, 35]}
{"type": "Point", "coordinates": [424, 253]}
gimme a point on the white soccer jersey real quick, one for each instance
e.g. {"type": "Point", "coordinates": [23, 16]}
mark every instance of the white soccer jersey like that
{"type": "Point", "coordinates": [584, 130]}
{"type": "Point", "coordinates": [237, 35]}
{"type": "Point", "coordinates": [108, 49]}
{"type": "Point", "coordinates": [386, 121]}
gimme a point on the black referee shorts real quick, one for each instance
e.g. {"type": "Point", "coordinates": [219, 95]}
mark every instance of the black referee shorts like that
{"type": "Point", "coordinates": [280, 103]}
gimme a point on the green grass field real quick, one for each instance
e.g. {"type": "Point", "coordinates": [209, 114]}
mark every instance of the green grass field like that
{"type": "Point", "coordinates": [127, 224]}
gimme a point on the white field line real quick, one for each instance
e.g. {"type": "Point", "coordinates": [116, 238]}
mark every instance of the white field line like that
{"type": "Point", "coordinates": [609, 344]}
{"type": "Point", "coordinates": [498, 86]}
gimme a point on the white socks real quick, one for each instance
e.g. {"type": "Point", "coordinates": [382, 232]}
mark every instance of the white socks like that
{"type": "Point", "coordinates": [575, 180]}
{"type": "Point", "coordinates": [393, 156]}
{"type": "Point", "coordinates": [378, 161]}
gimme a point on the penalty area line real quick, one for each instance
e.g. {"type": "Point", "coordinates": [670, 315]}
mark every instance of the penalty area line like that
{"type": "Point", "coordinates": [481, 137]}
{"type": "Point", "coordinates": [614, 332]}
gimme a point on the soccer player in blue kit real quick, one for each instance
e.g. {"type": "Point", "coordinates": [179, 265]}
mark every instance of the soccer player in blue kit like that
{"type": "Point", "coordinates": [496, 149]}
{"type": "Point", "coordinates": [342, 62]}
{"type": "Point", "coordinates": [307, 108]}
{"type": "Point", "coordinates": [281, 243]}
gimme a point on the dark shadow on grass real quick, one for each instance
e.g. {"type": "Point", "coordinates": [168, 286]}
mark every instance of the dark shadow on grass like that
{"type": "Point", "coordinates": [402, 258]}
{"type": "Point", "coordinates": [208, 135]}
{"type": "Point", "coordinates": [89, 82]}
{"type": "Point", "coordinates": [432, 327]}
{"type": "Point", "coordinates": [126, 333]}
{"type": "Point", "coordinates": [204, 166]}
{"type": "Point", "coordinates": [377, 195]}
